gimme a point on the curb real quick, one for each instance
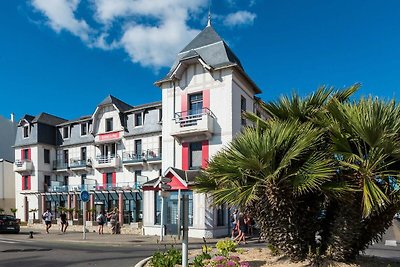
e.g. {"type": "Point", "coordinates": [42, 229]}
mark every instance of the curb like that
{"type": "Point", "coordinates": [142, 262]}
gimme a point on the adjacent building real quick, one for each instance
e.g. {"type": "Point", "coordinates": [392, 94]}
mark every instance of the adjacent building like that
{"type": "Point", "coordinates": [119, 152]}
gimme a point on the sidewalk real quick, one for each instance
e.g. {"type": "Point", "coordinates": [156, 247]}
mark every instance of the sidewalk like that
{"type": "Point", "coordinates": [55, 236]}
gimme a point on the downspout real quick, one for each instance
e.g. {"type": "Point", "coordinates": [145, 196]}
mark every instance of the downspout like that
{"type": "Point", "coordinates": [174, 110]}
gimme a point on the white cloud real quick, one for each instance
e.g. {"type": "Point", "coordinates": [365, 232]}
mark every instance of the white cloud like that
{"type": "Point", "coordinates": [156, 46]}
{"type": "Point", "coordinates": [240, 18]}
{"type": "Point", "coordinates": [60, 14]}
{"type": "Point", "coordinates": [150, 31]}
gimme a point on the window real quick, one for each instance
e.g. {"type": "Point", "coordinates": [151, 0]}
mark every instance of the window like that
{"type": "Point", "coordinates": [46, 156]}
{"type": "Point", "coordinates": [25, 153]}
{"type": "Point", "coordinates": [83, 178]}
{"type": "Point", "coordinates": [65, 132]}
{"type": "Point", "coordinates": [195, 104]}
{"type": "Point", "coordinates": [25, 182]}
{"type": "Point", "coordinates": [138, 119]}
{"type": "Point", "coordinates": [172, 208]}
{"type": "Point", "coordinates": [160, 115]}
{"type": "Point", "coordinates": [65, 180]}
{"type": "Point", "coordinates": [243, 109]}
{"type": "Point", "coordinates": [47, 180]}
{"type": "Point", "coordinates": [84, 129]}
{"type": "Point", "coordinates": [26, 131]}
{"type": "Point", "coordinates": [138, 181]}
{"type": "Point", "coordinates": [83, 153]}
{"type": "Point", "coordinates": [65, 152]}
{"type": "Point", "coordinates": [109, 124]}
{"type": "Point", "coordinates": [157, 208]}
{"type": "Point", "coordinates": [138, 148]}
{"type": "Point", "coordinates": [109, 178]}
{"type": "Point", "coordinates": [195, 155]}
{"type": "Point", "coordinates": [221, 215]}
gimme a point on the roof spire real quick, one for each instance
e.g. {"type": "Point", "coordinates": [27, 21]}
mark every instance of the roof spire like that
{"type": "Point", "coordinates": [209, 14]}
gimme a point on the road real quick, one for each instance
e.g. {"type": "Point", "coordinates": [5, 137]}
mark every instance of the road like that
{"type": "Point", "coordinates": [20, 253]}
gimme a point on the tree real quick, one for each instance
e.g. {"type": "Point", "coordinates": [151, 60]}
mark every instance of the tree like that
{"type": "Point", "coordinates": [13, 211]}
{"type": "Point", "coordinates": [338, 184]}
{"type": "Point", "coordinates": [34, 213]}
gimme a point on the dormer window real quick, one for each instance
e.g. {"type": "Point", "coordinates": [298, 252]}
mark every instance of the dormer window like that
{"type": "Point", "coordinates": [138, 119]}
{"type": "Point", "coordinates": [65, 132]}
{"type": "Point", "coordinates": [84, 129]}
{"type": "Point", "coordinates": [109, 124]}
{"type": "Point", "coordinates": [26, 131]}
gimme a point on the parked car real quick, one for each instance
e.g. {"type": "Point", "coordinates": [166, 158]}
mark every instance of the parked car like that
{"type": "Point", "coordinates": [9, 224]}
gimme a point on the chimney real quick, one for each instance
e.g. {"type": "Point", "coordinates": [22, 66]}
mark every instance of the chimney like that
{"type": "Point", "coordinates": [12, 117]}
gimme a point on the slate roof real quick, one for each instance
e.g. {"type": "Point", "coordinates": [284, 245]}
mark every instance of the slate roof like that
{"type": "Point", "coordinates": [213, 50]}
{"type": "Point", "coordinates": [28, 118]}
{"type": "Point", "coordinates": [144, 106]}
{"type": "Point", "coordinates": [80, 119]}
{"type": "Point", "coordinates": [121, 105]}
{"type": "Point", "coordinates": [48, 119]}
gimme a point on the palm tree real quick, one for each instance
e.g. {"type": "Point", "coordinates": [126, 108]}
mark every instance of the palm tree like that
{"type": "Point", "coordinates": [277, 173]}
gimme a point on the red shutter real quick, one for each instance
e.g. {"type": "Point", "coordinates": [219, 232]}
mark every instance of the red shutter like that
{"type": "Point", "coordinates": [104, 180]}
{"type": "Point", "coordinates": [184, 105]}
{"type": "Point", "coordinates": [204, 154]}
{"type": "Point", "coordinates": [29, 181]}
{"type": "Point", "coordinates": [114, 178]}
{"type": "Point", "coordinates": [206, 99]}
{"type": "Point", "coordinates": [185, 156]}
{"type": "Point", "coordinates": [29, 153]}
{"type": "Point", "coordinates": [23, 182]}
{"type": "Point", "coordinates": [22, 154]}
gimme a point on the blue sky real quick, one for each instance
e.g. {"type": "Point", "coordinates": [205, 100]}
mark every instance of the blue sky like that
{"type": "Point", "coordinates": [64, 56]}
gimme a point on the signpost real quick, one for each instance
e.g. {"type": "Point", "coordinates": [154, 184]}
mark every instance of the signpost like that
{"type": "Point", "coordinates": [85, 198]}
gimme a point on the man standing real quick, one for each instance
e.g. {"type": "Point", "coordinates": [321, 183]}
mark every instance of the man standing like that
{"type": "Point", "coordinates": [234, 223]}
{"type": "Point", "coordinates": [47, 216]}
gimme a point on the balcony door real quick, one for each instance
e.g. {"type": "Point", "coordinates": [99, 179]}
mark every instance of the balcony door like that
{"type": "Point", "coordinates": [108, 150]}
{"type": "Point", "coordinates": [195, 104]}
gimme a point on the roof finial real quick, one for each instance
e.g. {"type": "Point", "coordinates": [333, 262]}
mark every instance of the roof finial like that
{"type": "Point", "coordinates": [209, 14]}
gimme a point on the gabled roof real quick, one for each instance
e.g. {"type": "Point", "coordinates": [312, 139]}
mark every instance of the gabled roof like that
{"type": "Point", "coordinates": [48, 119]}
{"type": "Point", "coordinates": [28, 118]}
{"type": "Point", "coordinates": [121, 105]}
{"type": "Point", "coordinates": [208, 47]}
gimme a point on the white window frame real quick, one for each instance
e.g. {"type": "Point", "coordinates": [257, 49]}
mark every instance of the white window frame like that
{"type": "Point", "coordinates": [87, 128]}
{"type": "Point", "coordinates": [27, 132]}
{"type": "Point", "coordinates": [134, 119]}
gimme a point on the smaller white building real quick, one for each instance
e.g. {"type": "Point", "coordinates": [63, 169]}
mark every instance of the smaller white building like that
{"type": "Point", "coordinates": [7, 185]}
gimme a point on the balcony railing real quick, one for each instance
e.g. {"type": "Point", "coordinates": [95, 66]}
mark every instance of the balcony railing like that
{"type": "Point", "coordinates": [80, 163]}
{"type": "Point", "coordinates": [129, 156]}
{"type": "Point", "coordinates": [190, 117]}
{"type": "Point", "coordinates": [23, 165]}
{"type": "Point", "coordinates": [154, 154]}
{"type": "Point", "coordinates": [95, 187]}
{"type": "Point", "coordinates": [110, 161]}
{"type": "Point", "coordinates": [146, 155]}
{"type": "Point", "coordinates": [60, 165]}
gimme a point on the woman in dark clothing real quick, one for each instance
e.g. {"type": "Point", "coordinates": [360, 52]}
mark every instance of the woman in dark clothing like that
{"type": "Point", "coordinates": [241, 225]}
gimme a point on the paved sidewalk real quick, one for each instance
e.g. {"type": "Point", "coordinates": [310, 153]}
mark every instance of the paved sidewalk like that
{"type": "Point", "coordinates": [55, 236]}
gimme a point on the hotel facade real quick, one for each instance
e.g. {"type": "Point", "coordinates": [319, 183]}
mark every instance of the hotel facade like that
{"type": "Point", "coordinates": [119, 152]}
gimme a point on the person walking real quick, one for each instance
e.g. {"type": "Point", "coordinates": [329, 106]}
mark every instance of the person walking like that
{"type": "Point", "coordinates": [101, 220]}
{"type": "Point", "coordinates": [113, 220]}
{"type": "Point", "coordinates": [234, 218]}
{"type": "Point", "coordinates": [47, 216]}
{"type": "Point", "coordinates": [241, 225]}
{"type": "Point", "coordinates": [64, 222]}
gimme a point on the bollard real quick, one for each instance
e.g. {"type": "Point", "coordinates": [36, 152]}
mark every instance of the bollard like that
{"type": "Point", "coordinates": [31, 234]}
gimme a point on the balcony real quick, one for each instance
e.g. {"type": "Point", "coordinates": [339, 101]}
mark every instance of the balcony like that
{"type": "Point", "coordinates": [80, 164]}
{"type": "Point", "coordinates": [154, 156]}
{"type": "Point", "coordinates": [70, 188]}
{"type": "Point", "coordinates": [133, 159]}
{"type": "Point", "coordinates": [120, 186]}
{"type": "Point", "coordinates": [23, 166]}
{"type": "Point", "coordinates": [102, 162]}
{"type": "Point", "coordinates": [60, 165]}
{"type": "Point", "coordinates": [193, 123]}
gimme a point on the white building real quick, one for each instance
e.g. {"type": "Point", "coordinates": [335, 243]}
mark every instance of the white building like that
{"type": "Point", "coordinates": [119, 152]}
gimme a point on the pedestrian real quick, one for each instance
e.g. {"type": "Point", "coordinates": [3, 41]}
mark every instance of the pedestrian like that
{"type": "Point", "coordinates": [249, 223]}
{"type": "Point", "coordinates": [234, 218]}
{"type": "Point", "coordinates": [101, 220]}
{"type": "Point", "coordinates": [64, 222]}
{"type": "Point", "coordinates": [47, 216]}
{"type": "Point", "coordinates": [112, 216]}
{"type": "Point", "coordinates": [241, 225]}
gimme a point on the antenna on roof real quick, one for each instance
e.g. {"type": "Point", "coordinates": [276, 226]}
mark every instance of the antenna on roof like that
{"type": "Point", "coordinates": [209, 14]}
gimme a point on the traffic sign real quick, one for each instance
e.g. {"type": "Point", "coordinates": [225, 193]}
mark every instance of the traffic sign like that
{"type": "Point", "coordinates": [166, 180]}
{"type": "Point", "coordinates": [85, 196]}
{"type": "Point", "coordinates": [165, 187]}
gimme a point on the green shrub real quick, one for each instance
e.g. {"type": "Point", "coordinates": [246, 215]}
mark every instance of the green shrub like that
{"type": "Point", "coordinates": [168, 258]}
{"type": "Point", "coordinates": [226, 246]}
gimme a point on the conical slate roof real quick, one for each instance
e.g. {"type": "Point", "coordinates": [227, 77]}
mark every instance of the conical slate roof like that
{"type": "Point", "coordinates": [206, 37]}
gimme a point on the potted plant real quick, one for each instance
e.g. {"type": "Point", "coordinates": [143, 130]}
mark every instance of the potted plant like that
{"type": "Point", "coordinates": [1, 210]}
{"type": "Point", "coordinates": [13, 211]}
{"type": "Point", "coordinates": [91, 218]}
